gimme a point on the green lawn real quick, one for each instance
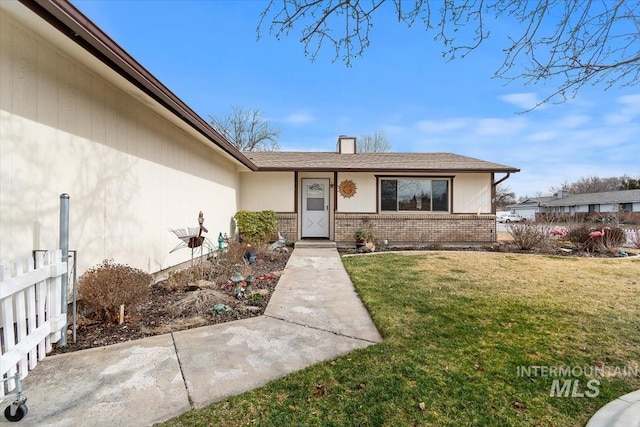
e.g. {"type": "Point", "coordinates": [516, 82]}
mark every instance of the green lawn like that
{"type": "Point", "coordinates": [458, 327]}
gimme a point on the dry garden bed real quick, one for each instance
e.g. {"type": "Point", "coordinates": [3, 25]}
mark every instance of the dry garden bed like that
{"type": "Point", "coordinates": [196, 296]}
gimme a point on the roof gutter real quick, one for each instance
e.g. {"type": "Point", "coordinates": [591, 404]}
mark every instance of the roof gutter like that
{"type": "Point", "coordinates": [379, 170]}
{"type": "Point", "coordinates": [71, 22]}
{"type": "Point", "coordinates": [503, 179]}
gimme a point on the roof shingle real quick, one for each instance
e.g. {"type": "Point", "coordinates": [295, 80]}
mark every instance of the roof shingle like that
{"type": "Point", "coordinates": [612, 197]}
{"type": "Point", "coordinates": [408, 162]}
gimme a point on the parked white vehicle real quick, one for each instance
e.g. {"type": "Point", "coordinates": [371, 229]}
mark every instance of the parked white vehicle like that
{"type": "Point", "coordinates": [509, 217]}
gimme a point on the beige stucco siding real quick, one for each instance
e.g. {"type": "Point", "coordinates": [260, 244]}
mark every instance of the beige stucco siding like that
{"type": "Point", "coordinates": [472, 193]}
{"type": "Point", "coordinates": [267, 191]}
{"type": "Point", "coordinates": [365, 198]}
{"type": "Point", "coordinates": [131, 174]}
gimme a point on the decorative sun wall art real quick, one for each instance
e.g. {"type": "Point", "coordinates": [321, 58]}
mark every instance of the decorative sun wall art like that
{"type": "Point", "coordinates": [347, 188]}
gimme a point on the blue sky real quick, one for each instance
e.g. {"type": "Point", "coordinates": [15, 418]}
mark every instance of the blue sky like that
{"type": "Point", "coordinates": [208, 54]}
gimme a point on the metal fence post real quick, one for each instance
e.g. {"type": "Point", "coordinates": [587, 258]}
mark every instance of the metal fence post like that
{"type": "Point", "coordinates": [64, 247]}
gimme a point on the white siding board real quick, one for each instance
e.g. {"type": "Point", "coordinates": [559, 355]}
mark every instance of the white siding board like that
{"type": "Point", "coordinates": [365, 198]}
{"type": "Point", "coordinates": [67, 96]}
{"type": "Point", "coordinates": [132, 175]}
{"type": "Point", "coordinates": [46, 87]}
{"type": "Point", "coordinates": [472, 193]}
{"type": "Point", "coordinates": [6, 63]}
{"type": "Point", "coordinates": [267, 191]}
{"type": "Point", "coordinates": [24, 76]}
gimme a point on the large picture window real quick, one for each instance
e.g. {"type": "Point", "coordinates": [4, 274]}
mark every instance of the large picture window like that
{"type": "Point", "coordinates": [415, 194]}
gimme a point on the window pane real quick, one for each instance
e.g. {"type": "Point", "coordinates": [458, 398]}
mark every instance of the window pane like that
{"type": "Point", "coordinates": [315, 197]}
{"type": "Point", "coordinates": [414, 195]}
{"type": "Point", "coordinates": [315, 204]}
{"type": "Point", "coordinates": [315, 190]}
{"type": "Point", "coordinates": [388, 195]}
{"type": "Point", "coordinates": [440, 195]}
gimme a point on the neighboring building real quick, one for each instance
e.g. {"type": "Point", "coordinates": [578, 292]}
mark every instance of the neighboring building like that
{"type": "Point", "coordinates": [530, 208]}
{"type": "Point", "coordinates": [624, 204]}
{"type": "Point", "coordinates": [79, 115]}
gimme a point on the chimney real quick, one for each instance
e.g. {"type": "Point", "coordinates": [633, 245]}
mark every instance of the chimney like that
{"type": "Point", "coordinates": [346, 145]}
{"type": "Point", "coordinates": [562, 194]}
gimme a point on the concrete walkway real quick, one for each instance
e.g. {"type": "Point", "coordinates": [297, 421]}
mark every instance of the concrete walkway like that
{"type": "Point", "coordinates": [622, 412]}
{"type": "Point", "coordinates": [314, 315]}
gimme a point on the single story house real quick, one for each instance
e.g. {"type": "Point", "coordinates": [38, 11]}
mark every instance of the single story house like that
{"type": "Point", "coordinates": [624, 203]}
{"type": "Point", "coordinates": [79, 115]}
{"type": "Point", "coordinates": [404, 198]}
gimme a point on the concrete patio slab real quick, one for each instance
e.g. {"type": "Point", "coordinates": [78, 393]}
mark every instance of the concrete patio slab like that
{"type": "Point", "coordinates": [133, 383]}
{"type": "Point", "coordinates": [228, 359]}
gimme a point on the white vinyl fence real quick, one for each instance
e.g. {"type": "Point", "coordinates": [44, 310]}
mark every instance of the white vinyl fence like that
{"type": "Point", "coordinates": [31, 317]}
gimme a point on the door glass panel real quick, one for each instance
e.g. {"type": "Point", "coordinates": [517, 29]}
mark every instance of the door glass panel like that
{"type": "Point", "coordinates": [315, 197]}
{"type": "Point", "coordinates": [315, 204]}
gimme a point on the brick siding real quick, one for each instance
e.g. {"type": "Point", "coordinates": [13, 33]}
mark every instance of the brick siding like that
{"type": "Point", "coordinates": [288, 225]}
{"type": "Point", "coordinates": [423, 229]}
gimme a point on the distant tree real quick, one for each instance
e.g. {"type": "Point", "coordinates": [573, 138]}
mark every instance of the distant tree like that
{"type": "Point", "coordinates": [527, 197]}
{"type": "Point", "coordinates": [594, 184]}
{"type": "Point", "coordinates": [571, 43]}
{"type": "Point", "coordinates": [376, 143]}
{"type": "Point", "coordinates": [247, 130]}
{"type": "Point", "coordinates": [504, 196]}
{"type": "Point", "coordinates": [630, 183]}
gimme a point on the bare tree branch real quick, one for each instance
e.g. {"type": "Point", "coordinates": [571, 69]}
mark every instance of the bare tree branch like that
{"type": "Point", "coordinates": [247, 130]}
{"type": "Point", "coordinates": [376, 143]}
{"type": "Point", "coordinates": [571, 43]}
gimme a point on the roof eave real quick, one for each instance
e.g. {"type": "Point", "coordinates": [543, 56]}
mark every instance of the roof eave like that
{"type": "Point", "coordinates": [380, 170]}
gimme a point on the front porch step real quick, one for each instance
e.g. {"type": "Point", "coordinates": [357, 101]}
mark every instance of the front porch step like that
{"type": "Point", "coordinates": [315, 244]}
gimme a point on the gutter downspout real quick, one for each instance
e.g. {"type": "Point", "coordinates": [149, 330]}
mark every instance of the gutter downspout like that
{"type": "Point", "coordinates": [501, 180]}
{"type": "Point", "coordinates": [494, 184]}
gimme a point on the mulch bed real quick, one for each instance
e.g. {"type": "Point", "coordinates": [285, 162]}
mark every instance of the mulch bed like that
{"type": "Point", "coordinates": [169, 310]}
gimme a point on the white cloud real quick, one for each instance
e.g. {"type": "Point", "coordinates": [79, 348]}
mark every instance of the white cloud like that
{"type": "Point", "coordinates": [500, 126]}
{"type": "Point", "coordinates": [630, 100]}
{"type": "Point", "coordinates": [543, 136]}
{"type": "Point", "coordinates": [572, 121]}
{"type": "Point", "coordinates": [524, 100]}
{"type": "Point", "coordinates": [629, 111]}
{"type": "Point", "coordinates": [432, 126]}
{"type": "Point", "coordinates": [298, 118]}
{"type": "Point", "coordinates": [393, 130]}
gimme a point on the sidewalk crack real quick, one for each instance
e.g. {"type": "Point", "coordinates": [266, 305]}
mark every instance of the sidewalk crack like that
{"type": "Point", "coordinates": [322, 329]}
{"type": "Point", "coordinates": [184, 380]}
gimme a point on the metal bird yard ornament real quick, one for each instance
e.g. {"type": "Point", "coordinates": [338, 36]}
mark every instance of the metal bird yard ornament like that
{"type": "Point", "coordinates": [192, 237]}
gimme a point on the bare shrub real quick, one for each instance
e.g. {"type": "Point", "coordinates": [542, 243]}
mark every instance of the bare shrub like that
{"type": "Point", "coordinates": [578, 235]}
{"type": "Point", "coordinates": [179, 280]}
{"type": "Point", "coordinates": [634, 237]}
{"type": "Point", "coordinates": [106, 287]}
{"type": "Point", "coordinates": [530, 235]}
{"type": "Point", "coordinates": [612, 239]}
{"type": "Point", "coordinates": [231, 261]}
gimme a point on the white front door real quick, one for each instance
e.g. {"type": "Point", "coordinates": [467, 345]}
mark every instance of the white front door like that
{"type": "Point", "coordinates": [315, 207]}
